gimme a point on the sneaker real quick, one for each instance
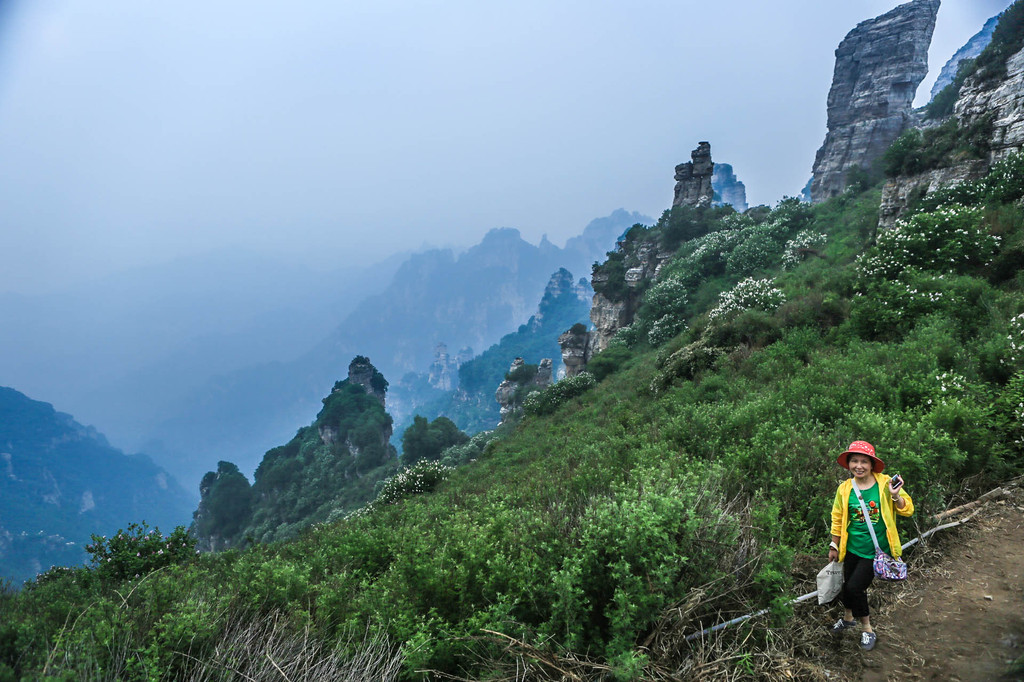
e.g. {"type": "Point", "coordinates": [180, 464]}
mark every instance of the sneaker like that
{"type": "Point", "coordinates": [842, 625]}
{"type": "Point", "coordinates": [867, 640]}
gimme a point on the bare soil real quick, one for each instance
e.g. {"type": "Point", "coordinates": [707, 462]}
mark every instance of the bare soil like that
{"type": "Point", "coordinates": [959, 617]}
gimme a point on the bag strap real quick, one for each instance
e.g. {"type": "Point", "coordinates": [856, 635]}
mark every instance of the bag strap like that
{"type": "Point", "coordinates": [867, 517]}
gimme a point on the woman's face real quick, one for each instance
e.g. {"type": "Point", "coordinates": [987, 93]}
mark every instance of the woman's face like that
{"type": "Point", "coordinates": [860, 465]}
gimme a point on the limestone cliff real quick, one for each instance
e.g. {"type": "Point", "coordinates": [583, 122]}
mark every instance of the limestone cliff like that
{"type": "Point", "coordinates": [444, 370]}
{"type": "Point", "coordinates": [1001, 100]}
{"type": "Point", "coordinates": [361, 372]}
{"type": "Point", "coordinates": [879, 65]}
{"type": "Point", "coordinates": [693, 178]}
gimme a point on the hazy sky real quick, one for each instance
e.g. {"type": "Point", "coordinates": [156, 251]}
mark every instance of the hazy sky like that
{"type": "Point", "coordinates": [132, 132]}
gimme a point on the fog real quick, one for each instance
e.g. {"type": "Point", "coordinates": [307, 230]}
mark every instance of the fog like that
{"type": "Point", "coordinates": [191, 188]}
{"type": "Point", "coordinates": [131, 133]}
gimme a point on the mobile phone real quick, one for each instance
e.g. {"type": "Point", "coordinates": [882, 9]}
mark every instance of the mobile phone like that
{"type": "Point", "coordinates": [897, 481]}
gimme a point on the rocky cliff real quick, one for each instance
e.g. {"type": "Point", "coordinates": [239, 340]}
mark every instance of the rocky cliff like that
{"type": "Point", "coordinates": [879, 65]}
{"type": "Point", "coordinates": [970, 50]}
{"type": "Point", "coordinates": [618, 285]}
{"type": "Point", "coordinates": [444, 370]}
{"type": "Point", "coordinates": [729, 191]}
{"type": "Point", "coordinates": [1000, 100]}
{"type": "Point", "coordinates": [693, 178]}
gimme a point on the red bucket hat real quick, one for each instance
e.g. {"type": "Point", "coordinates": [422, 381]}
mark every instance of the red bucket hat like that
{"type": "Point", "coordinates": [861, 447]}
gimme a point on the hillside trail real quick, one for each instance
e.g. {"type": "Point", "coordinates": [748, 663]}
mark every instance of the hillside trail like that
{"type": "Point", "coordinates": [959, 617]}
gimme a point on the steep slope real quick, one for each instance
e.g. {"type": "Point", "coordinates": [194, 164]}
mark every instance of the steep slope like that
{"type": "Point", "coordinates": [61, 481]}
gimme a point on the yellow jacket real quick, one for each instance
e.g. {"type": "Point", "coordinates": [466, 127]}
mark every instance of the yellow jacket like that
{"type": "Point", "coordinates": [841, 513]}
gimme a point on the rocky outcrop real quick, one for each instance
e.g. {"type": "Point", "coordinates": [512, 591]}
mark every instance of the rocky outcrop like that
{"type": "Point", "coordinates": [728, 189]}
{"type": "Point", "coordinates": [519, 382]}
{"type": "Point", "coordinates": [574, 350]}
{"type": "Point", "coordinates": [879, 65]}
{"type": "Point", "coordinates": [898, 192]}
{"type": "Point", "coordinates": [693, 178]}
{"type": "Point", "coordinates": [1003, 102]}
{"type": "Point", "coordinates": [361, 372]}
{"type": "Point", "coordinates": [970, 50]}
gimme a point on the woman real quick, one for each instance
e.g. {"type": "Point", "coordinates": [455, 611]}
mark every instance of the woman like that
{"type": "Point", "coordinates": [851, 541]}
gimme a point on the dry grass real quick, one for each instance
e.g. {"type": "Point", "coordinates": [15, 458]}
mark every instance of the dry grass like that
{"type": "Point", "coordinates": [267, 649]}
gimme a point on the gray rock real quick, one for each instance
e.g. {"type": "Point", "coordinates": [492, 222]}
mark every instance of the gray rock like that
{"type": "Point", "coordinates": [574, 351]}
{"type": "Point", "coordinates": [693, 178]}
{"type": "Point", "coordinates": [1003, 100]}
{"type": "Point", "coordinates": [897, 192]}
{"type": "Point", "coordinates": [879, 65]}
{"type": "Point", "coordinates": [361, 372]}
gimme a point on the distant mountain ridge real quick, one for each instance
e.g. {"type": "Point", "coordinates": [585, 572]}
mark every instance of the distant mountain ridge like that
{"type": "Point", "coordinates": [61, 481]}
{"type": "Point", "coordinates": [470, 299]}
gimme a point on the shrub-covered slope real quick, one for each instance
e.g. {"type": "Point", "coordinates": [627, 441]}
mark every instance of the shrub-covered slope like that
{"type": "Point", "coordinates": [631, 511]}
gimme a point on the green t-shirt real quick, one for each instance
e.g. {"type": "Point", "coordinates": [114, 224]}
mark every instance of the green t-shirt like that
{"type": "Point", "coordinates": [859, 540]}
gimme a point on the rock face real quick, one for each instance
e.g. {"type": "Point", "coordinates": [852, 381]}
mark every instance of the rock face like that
{"type": "Point", "coordinates": [970, 50]}
{"type": "Point", "coordinates": [879, 65]}
{"type": "Point", "coordinates": [512, 390]}
{"type": "Point", "coordinates": [898, 192]}
{"type": "Point", "coordinates": [693, 178]}
{"type": "Point", "coordinates": [1002, 100]}
{"type": "Point", "coordinates": [574, 350]}
{"type": "Point", "coordinates": [728, 188]}
{"type": "Point", "coordinates": [642, 259]}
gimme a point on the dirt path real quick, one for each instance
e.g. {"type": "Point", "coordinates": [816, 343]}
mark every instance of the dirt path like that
{"type": "Point", "coordinates": [960, 615]}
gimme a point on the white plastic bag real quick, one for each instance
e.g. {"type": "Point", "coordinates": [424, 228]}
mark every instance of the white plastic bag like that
{"type": "Point", "coordinates": [830, 582]}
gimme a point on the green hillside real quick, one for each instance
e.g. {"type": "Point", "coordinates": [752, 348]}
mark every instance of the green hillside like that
{"type": "Point", "coordinates": [675, 492]}
{"type": "Point", "coordinates": [55, 488]}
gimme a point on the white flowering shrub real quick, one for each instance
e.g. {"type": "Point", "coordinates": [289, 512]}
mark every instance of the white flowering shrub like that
{"type": "Point", "coordinates": [420, 478]}
{"type": "Point", "coordinates": [950, 239]}
{"type": "Point", "coordinates": [662, 311]}
{"type": "Point", "coordinates": [797, 247]}
{"type": "Point", "coordinates": [703, 252]}
{"type": "Point", "coordinates": [665, 328]}
{"type": "Point", "coordinates": [751, 293]}
{"type": "Point", "coordinates": [755, 251]}
{"type": "Point", "coordinates": [548, 400]}
{"type": "Point", "coordinates": [1016, 337]}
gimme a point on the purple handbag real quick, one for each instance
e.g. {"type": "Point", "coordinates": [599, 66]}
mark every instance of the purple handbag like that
{"type": "Point", "coordinates": [886, 567]}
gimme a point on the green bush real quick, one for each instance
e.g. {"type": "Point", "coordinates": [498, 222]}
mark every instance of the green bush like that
{"type": "Point", "coordinates": [138, 550]}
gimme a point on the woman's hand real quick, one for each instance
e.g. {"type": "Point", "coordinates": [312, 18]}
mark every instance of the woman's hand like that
{"type": "Point", "coordinates": [894, 489]}
{"type": "Point", "coordinates": [833, 554]}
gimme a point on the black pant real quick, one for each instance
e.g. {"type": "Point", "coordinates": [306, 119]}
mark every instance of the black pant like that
{"type": "Point", "coordinates": [858, 573]}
